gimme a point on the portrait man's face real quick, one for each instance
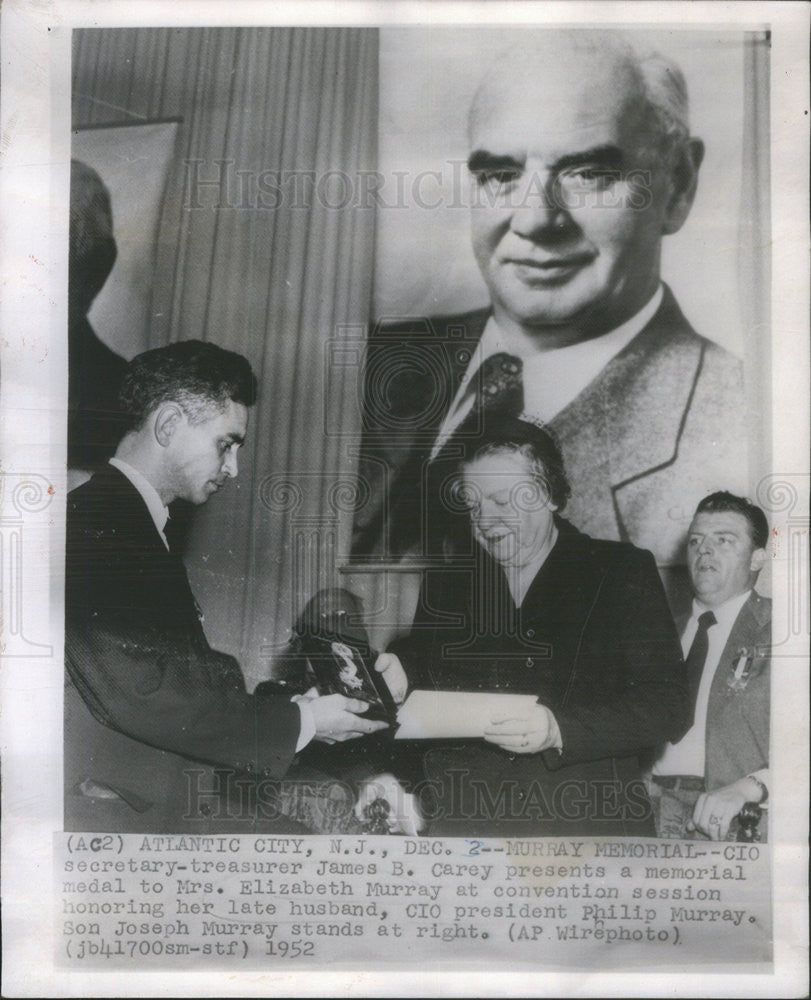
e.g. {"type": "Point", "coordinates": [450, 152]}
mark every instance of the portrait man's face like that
{"type": "Point", "coordinates": [204, 454]}
{"type": "Point", "coordinates": [721, 556]}
{"type": "Point", "coordinates": [510, 512]}
{"type": "Point", "coordinates": [569, 200]}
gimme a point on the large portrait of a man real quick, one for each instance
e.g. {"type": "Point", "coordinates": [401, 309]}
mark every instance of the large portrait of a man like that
{"type": "Point", "coordinates": [579, 157]}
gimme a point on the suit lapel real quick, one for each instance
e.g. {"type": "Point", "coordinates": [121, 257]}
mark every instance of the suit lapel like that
{"type": "Point", "coordinates": [655, 385]}
{"type": "Point", "coordinates": [122, 501]}
{"type": "Point", "coordinates": [752, 618]}
{"type": "Point", "coordinates": [614, 445]}
{"type": "Point", "coordinates": [559, 599]}
{"type": "Point", "coordinates": [413, 372]}
{"type": "Point", "coordinates": [465, 331]}
{"type": "Point", "coordinates": [140, 542]}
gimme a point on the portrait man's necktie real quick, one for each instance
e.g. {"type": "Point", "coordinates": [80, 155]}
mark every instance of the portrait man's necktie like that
{"type": "Point", "coordinates": [496, 388]}
{"type": "Point", "coordinates": [499, 385]}
{"type": "Point", "coordinates": [697, 657]}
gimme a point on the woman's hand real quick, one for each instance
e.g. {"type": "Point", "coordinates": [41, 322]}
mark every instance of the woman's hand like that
{"type": "Point", "coordinates": [531, 731]}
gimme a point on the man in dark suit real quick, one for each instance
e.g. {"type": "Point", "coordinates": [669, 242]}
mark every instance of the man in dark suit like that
{"type": "Point", "coordinates": [150, 707]}
{"type": "Point", "coordinates": [581, 162]}
{"type": "Point", "coordinates": [539, 608]}
{"type": "Point", "coordinates": [701, 782]}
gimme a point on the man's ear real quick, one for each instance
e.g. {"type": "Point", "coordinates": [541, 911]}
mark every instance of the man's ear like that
{"type": "Point", "coordinates": [167, 420]}
{"type": "Point", "coordinates": [683, 180]}
{"type": "Point", "coordinates": [758, 560]}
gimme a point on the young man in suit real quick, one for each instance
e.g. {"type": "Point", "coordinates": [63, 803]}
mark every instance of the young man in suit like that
{"type": "Point", "coordinates": [150, 707]}
{"type": "Point", "coordinates": [701, 781]}
{"type": "Point", "coordinates": [581, 161]}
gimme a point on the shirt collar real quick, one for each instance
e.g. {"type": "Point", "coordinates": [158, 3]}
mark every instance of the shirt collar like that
{"type": "Point", "coordinates": [551, 379]}
{"type": "Point", "coordinates": [158, 510]}
{"type": "Point", "coordinates": [726, 613]}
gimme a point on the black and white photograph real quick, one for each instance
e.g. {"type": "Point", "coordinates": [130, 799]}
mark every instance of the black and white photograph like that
{"type": "Point", "coordinates": [418, 458]}
{"type": "Point", "coordinates": [585, 499]}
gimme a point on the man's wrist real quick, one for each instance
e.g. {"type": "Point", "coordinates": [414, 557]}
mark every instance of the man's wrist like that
{"type": "Point", "coordinates": [555, 738]}
{"type": "Point", "coordinates": [307, 727]}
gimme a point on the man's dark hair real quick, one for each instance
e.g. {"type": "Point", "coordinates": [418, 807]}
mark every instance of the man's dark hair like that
{"type": "Point", "coordinates": [195, 375]}
{"type": "Point", "coordinates": [722, 501]}
{"type": "Point", "coordinates": [536, 444]}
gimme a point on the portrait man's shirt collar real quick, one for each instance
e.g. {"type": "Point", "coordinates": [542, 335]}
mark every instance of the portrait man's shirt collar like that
{"type": "Point", "coordinates": [552, 379]}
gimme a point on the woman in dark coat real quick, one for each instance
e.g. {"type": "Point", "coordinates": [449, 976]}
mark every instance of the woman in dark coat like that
{"type": "Point", "coordinates": [536, 607]}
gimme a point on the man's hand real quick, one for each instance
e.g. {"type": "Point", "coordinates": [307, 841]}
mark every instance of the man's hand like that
{"type": "Point", "coordinates": [336, 719]}
{"type": "Point", "coordinates": [404, 816]}
{"type": "Point", "coordinates": [530, 732]}
{"type": "Point", "coordinates": [394, 675]}
{"type": "Point", "coordinates": [714, 811]}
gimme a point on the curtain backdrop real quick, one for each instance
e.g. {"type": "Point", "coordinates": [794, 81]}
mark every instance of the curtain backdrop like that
{"type": "Point", "coordinates": [266, 247]}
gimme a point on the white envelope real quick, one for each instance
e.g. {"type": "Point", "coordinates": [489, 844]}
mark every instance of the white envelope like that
{"type": "Point", "coordinates": [443, 714]}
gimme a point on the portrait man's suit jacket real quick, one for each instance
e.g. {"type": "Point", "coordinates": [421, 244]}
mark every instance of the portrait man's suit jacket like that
{"type": "Point", "coordinates": [147, 700]}
{"type": "Point", "coordinates": [594, 642]}
{"type": "Point", "coordinates": [658, 429]}
{"type": "Point", "coordinates": [737, 736]}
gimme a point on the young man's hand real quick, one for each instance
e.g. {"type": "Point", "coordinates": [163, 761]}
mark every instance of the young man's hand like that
{"type": "Point", "coordinates": [338, 718]}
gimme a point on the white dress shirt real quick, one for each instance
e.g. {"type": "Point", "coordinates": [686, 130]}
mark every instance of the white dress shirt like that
{"type": "Point", "coordinates": [551, 379]}
{"type": "Point", "coordinates": [688, 755]}
{"type": "Point", "coordinates": [159, 513]}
